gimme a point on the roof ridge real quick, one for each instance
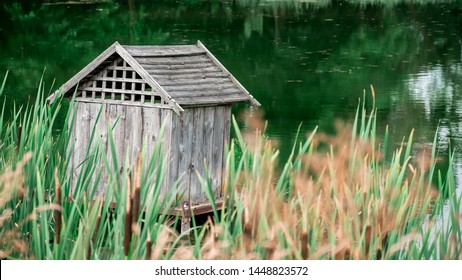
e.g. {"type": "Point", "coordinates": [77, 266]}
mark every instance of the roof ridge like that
{"type": "Point", "coordinates": [163, 50]}
{"type": "Point", "coordinates": [147, 77]}
{"type": "Point", "coordinates": [157, 46]}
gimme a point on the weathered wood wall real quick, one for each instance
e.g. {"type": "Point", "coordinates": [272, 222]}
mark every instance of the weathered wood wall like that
{"type": "Point", "coordinates": [135, 124]}
{"type": "Point", "coordinates": [199, 137]}
{"type": "Point", "coordinates": [191, 141]}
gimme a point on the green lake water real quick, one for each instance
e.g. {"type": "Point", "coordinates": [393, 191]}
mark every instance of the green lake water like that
{"type": "Point", "coordinates": [306, 62]}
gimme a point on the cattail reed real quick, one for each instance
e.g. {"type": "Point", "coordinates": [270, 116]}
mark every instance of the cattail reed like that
{"type": "Point", "coordinates": [367, 237]}
{"type": "Point", "coordinates": [247, 236]}
{"type": "Point", "coordinates": [136, 191]}
{"type": "Point", "coordinates": [270, 250]}
{"type": "Point", "coordinates": [135, 207]}
{"type": "Point", "coordinates": [18, 145]}
{"type": "Point", "coordinates": [88, 251]}
{"type": "Point", "coordinates": [98, 221]}
{"type": "Point", "coordinates": [148, 246]}
{"type": "Point", "coordinates": [128, 222]}
{"type": "Point", "coordinates": [58, 209]}
{"type": "Point", "coordinates": [344, 254]}
{"type": "Point", "coordinates": [304, 244]}
{"type": "Point", "coordinates": [379, 254]}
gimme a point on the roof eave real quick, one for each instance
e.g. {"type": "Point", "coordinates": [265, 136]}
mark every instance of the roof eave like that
{"type": "Point", "coordinates": [72, 82]}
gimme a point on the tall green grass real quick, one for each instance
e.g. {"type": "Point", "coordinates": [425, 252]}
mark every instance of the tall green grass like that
{"type": "Point", "coordinates": [52, 223]}
{"type": "Point", "coordinates": [336, 197]}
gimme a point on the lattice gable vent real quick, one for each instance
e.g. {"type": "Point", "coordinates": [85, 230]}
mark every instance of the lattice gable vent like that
{"type": "Point", "coordinates": [119, 83]}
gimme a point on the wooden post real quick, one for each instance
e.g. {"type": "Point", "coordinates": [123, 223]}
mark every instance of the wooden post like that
{"type": "Point", "coordinates": [186, 218]}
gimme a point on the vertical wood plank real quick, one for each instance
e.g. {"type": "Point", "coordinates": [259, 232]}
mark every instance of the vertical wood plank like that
{"type": "Point", "coordinates": [81, 139]}
{"type": "Point", "coordinates": [119, 139]}
{"type": "Point", "coordinates": [184, 155]}
{"type": "Point", "coordinates": [196, 192]}
{"type": "Point", "coordinates": [151, 129]}
{"type": "Point", "coordinates": [111, 114]}
{"type": "Point", "coordinates": [226, 142]}
{"type": "Point", "coordinates": [166, 119]}
{"type": "Point", "coordinates": [117, 123]}
{"type": "Point", "coordinates": [174, 149]}
{"type": "Point", "coordinates": [101, 138]}
{"type": "Point", "coordinates": [218, 148]}
{"type": "Point", "coordinates": [93, 114]}
{"type": "Point", "coordinates": [71, 147]}
{"type": "Point", "coordinates": [133, 132]}
{"type": "Point", "coordinates": [209, 118]}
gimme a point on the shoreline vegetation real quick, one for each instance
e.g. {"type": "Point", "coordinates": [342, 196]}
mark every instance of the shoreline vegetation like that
{"type": "Point", "coordinates": [336, 197]}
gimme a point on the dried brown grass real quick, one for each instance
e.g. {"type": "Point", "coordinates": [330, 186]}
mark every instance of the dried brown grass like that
{"type": "Point", "coordinates": [344, 205]}
{"type": "Point", "coordinates": [12, 242]}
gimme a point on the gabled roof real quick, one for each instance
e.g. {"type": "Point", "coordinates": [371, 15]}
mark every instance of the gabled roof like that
{"type": "Point", "coordinates": [182, 74]}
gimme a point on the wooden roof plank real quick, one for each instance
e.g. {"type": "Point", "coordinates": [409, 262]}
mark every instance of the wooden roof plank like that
{"type": "Point", "coordinates": [210, 101]}
{"type": "Point", "coordinates": [168, 72]}
{"type": "Point", "coordinates": [214, 88]}
{"type": "Point", "coordinates": [190, 76]}
{"type": "Point", "coordinates": [178, 82]}
{"type": "Point", "coordinates": [209, 95]}
{"type": "Point", "coordinates": [173, 60]}
{"type": "Point", "coordinates": [179, 66]}
{"type": "Point", "coordinates": [162, 51]}
{"type": "Point", "coordinates": [252, 100]}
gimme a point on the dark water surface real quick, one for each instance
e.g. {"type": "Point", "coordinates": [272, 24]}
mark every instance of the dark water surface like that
{"type": "Point", "coordinates": [305, 62]}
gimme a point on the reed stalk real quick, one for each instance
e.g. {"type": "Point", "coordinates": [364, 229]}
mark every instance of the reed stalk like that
{"type": "Point", "coordinates": [128, 221]}
{"type": "Point", "coordinates": [58, 216]}
{"type": "Point", "coordinates": [337, 197]}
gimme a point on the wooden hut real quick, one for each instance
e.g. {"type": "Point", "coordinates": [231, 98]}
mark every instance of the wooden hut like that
{"type": "Point", "coordinates": [183, 87]}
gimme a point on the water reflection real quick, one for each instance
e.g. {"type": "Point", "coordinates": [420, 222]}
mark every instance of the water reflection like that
{"type": "Point", "coordinates": [305, 61]}
{"type": "Point", "coordinates": [430, 88]}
